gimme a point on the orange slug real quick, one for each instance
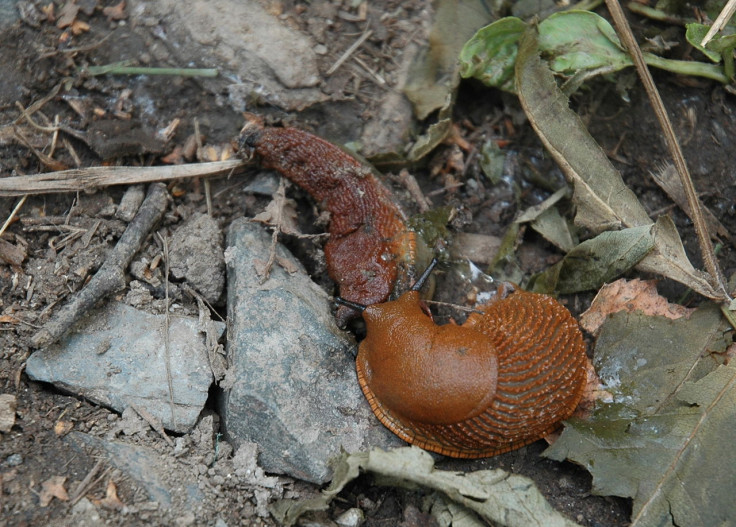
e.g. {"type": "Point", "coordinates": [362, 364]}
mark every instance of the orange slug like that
{"type": "Point", "coordinates": [370, 251]}
{"type": "Point", "coordinates": [503, 379]}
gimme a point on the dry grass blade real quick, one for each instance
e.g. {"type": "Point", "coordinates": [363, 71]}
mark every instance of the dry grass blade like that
{"type": "Point", "coordinates": [706, 248]}
{"type": "Point", "coordinates": [723, 17]}
{"type": "Point", "coordinates": [96, 177]}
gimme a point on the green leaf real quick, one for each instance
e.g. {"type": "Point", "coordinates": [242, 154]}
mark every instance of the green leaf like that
{"type": "Point", "coordinates": [695, 34]}
{"type": "Point", "coordinates": [490, 55]}
{"type": "Point", "coordinates": [662, 440]}
{"type": "Point", "coordinates": [577, 44]}
{"type": "Point", "coordinates": [597, 261]}
{"type": "Point", "coordinates": [581, 40]}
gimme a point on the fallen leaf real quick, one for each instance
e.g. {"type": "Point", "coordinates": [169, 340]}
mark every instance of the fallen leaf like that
{"type": "Point", "coordinates": [495, 495]}
{"type": "Point", "coordinates": [434, 75]}
{"type": "Point", "coordinates": [62, 428]}
{"type": "Point", "coordinates": [668, 180]}
{"type": "Point", "coordinates": [596, 261]}
{"type": "Point", "coordinates": [287, 265]}
{"type": "Point", "coordinates": [630, 296]}
{"type": "Point", "coordinates": [280, 213]}
{"type": "Point", "coordinates": [11, 253]}
{"type": "Point", "coordinates": [111, 500]}
{"type": "Point", "coordinates": [52, 488]}
{"type": "Point", "coordinates": [79, 27]}
{"type": "Point", "coordinates": [67, 15]}
{"type": "Point", "coordinates": [661, 439]}
{"type": "Point", "coordinates": [116, 12]}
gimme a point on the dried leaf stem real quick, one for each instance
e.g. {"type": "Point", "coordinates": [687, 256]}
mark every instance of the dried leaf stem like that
{"type": "Point", "coordinates": [627, 38]}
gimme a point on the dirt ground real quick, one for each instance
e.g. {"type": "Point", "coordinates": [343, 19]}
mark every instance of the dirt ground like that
{"type": "Point", "coordinates": [51, 228]}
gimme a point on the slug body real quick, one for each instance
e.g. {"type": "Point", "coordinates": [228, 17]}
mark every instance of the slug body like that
{"type": "Point", "coordinates": [503, 379]}
{"type": "Point", "coordinates": [370, 251]}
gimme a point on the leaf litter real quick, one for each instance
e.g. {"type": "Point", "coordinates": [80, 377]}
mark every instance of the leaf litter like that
{"type": "Point", "coordinates": [656, 433]}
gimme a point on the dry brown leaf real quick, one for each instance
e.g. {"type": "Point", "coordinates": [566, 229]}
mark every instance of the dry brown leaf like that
{"type": "Point", "coordinates": [260, 266]}
{"type": "Point", "coordinates": [111, 500]}
{"type": "Point", "coordinates": [11, 253]}
{"type": "Point", "coordinates": [67, 15]}
{"type": "Point", "coordinates": [287, 265]}
{"type": "Point", "coordinates": [79, 27]}
{"type": "Point", "coordinates": [630, 296]}
{"type": "Point", "coordinates": [116, 12]}
{"type": "Point", "coordinates": [52, 488]}
{"type": "Point", "coordinates": [62, 428]}
{"type": "Point", "coordinates": [668, 180]}
{"type": "Point", "coordinates": [49, 11]}
{"type": "Point", "coordinates": [280, 213]}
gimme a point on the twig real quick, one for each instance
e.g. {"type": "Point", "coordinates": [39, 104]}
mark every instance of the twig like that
{"type": "Point", "coordinates": [84, 486]}
{"type": "Point", "coordinates": [207, 187]}
{"type": "Point", "coordinates": [111, 276]}
{"type": "Point", "coordinates": [77, 179]}
{"type": "Point", "coordinates": [33, 108]}
{"type": "Point", "coordinates": [701, 229]}
{"type": "Point", "coordinates": [167, 330]}
{"type": "Point", "coordinates": [12, 214]}
{"type": "Point", "coordinates": [153, 422]}
{"type": "Point", "coordinates": [410, 183]}
{"type": "Point", "coordinates": [345, 56]}
{"type": "Point", "coordinates": [723, 18]}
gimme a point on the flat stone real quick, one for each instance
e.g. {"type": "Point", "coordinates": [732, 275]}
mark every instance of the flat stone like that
{"type": "Point", "coordinates": [294, 389]}
{"type": "Point", "coordinates": [116, 356]}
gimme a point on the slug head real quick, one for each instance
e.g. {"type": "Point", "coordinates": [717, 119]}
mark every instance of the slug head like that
{"type": "Point", "coordinates": [413, 370]}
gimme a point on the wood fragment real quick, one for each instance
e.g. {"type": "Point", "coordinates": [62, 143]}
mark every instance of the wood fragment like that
{"type": "Point", "coordinates": [80, 179]}
{"type": "Point", "coordinates": [111, 276]}
{"type": "Point", "coordinates": [346, 55]}
{"type": "Point", "coordinates": [153, 422]}
{"type": "Point", "coordinates": [85, 485]}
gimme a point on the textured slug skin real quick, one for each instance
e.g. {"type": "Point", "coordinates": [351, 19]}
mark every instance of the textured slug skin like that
{"type": "Point", "coordinates": [370, 251]}
{"type": "Point", "coordinates": [502, 380]}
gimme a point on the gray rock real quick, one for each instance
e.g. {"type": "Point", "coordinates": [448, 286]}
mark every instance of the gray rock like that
{"type": "Point", "coordinates": [196, 255]}
{"type": "Point", "coordinates": [146, 466]}
{"type": "Point", "coordinates": [294, 388]}
{"type": "Point", "coordinates": [116, 356]}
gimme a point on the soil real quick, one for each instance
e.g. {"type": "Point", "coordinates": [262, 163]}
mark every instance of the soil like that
{"type": "Point", "coordinates": [60, 253]}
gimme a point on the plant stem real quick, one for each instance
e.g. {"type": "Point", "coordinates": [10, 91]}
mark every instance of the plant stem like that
{"type": "Point", "coordinates": [696, 214]}
{"type": "Point", "coordinates": [114, 69]}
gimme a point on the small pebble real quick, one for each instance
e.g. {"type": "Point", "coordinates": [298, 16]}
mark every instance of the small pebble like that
{"type": "Point", "coordinates": [13, 460]}
{"type": "Point", "coordinates": [351, 518]}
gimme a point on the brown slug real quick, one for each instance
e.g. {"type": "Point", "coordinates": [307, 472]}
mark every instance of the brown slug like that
{"type": "Point", "coordinates": [370, 251]}
{"type": "Point", "coordinates": [503, 379]}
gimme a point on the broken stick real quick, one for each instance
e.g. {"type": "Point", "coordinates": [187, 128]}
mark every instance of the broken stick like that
{"type": "Point", "coordinates": [111, 276]}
